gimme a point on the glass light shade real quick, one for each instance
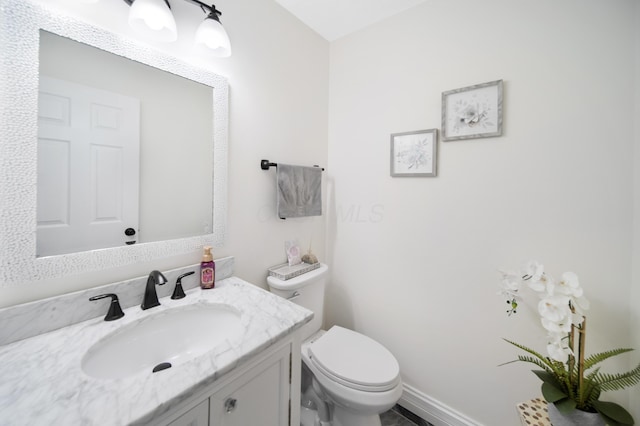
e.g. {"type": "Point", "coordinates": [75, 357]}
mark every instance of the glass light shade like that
{"type": "Point", "coordinates": [153, 19]}
{"type": "Point", "coordinates": [211, 34]}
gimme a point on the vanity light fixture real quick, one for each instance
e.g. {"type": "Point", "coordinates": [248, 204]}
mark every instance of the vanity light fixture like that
{"type": "Point", "coordinates": [154, 20]}
{"type": "Point", "coordinates": [211, 33]}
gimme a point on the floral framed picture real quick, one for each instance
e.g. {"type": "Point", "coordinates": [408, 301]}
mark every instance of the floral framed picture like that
{"type": "Point", "coordinates": [414, 153]}
{"type": "Point", "coordinates": [472, 112]}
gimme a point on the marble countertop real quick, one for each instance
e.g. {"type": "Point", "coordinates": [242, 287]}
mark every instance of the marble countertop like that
{"type": "Point", "coordinates": [42, 383]}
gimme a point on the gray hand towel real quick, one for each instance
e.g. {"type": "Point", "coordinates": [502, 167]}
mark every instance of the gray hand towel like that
{"type": "Point", "coordinates": [299, 191]}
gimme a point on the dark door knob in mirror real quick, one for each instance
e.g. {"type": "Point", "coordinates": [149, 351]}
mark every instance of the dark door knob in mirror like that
{"type": "Point", "coordinates": [130, 232]}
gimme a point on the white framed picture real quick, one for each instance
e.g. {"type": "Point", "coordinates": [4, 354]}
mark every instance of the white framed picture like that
{"type": "Point", "coordinates": [414, 153]}
{"type": "Point", "coordinates": [472, 112]}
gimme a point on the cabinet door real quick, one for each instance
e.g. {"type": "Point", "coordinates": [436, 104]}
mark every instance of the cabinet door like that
{"type": "Point", "coordinates": [258, 397]}
{"type": "Point", "coordinates": [197, 416]}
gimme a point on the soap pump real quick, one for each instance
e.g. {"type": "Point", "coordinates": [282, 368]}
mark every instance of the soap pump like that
{"type": "Point", "coordinates": [207, 270]}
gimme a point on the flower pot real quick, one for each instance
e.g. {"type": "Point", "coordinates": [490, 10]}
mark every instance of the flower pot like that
{"type": "Point", "coordinates": [574, 418]}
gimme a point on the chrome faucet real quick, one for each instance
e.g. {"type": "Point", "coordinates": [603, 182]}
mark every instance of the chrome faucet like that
{"type": "Point", "coordinates": [150, 296]}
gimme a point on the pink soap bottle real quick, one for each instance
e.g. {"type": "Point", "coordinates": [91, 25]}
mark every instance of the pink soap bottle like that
{"type": "Point", "coordinates": [207, 270]}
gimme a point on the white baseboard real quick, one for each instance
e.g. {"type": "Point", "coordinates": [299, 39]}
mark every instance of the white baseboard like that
{"type": "Point", "coordinates": [433, 411]}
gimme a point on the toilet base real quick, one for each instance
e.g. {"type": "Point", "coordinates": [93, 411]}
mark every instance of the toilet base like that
{"type": "Point", "coordinates": [344, 417]}
{"type": "Point", "coordinates": [309, 417]}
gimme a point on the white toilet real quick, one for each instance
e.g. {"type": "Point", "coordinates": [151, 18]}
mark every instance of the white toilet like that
{"type": "Point", "coordinates": [348, 379]}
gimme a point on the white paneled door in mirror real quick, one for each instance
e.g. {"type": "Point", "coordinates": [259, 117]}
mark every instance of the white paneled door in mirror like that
{"type": "Point", "coordinates": [88, 168]}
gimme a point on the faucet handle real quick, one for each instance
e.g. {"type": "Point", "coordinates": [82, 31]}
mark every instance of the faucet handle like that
{"type": "Point", "coordinates": [178, 292]}
{"type": "Point", "coordinates": [115, 311]}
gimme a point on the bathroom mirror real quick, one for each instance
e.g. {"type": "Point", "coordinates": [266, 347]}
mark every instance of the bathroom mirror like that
{"type": "Point", "coordinates": [123, 150]}
{"type": "Point", "coordinates": [21, 24]}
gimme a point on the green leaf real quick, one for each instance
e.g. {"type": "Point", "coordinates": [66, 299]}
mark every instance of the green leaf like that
{"type": "Point", "coordinates": [548, 377]}
{"type": "Point", "coordinates": [532, 360]}
{"type": "Point", "coordinates": [589, 392]}
{"type": "Point", "coordinates": [552, 393]}
{"type": "Point", "coordinates": [565, 406]}
{"type": "Point", "coordinates": [613, 411]}
{"type": "Point", "coordinates": [609, 421]}
{"type": "Point", "coordinates": [611, 382]}
{"type": "Point", "coordinates": [599, 357]}
{"type": "Point", "coordinates": [542, 358]}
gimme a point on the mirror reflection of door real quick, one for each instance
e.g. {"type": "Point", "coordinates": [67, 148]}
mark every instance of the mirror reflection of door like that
{"type": "Point", "coordinates": [88, 149]}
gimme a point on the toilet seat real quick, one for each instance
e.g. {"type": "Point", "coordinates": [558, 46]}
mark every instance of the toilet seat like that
{"type": "Point", "coordinates": [354, 360]}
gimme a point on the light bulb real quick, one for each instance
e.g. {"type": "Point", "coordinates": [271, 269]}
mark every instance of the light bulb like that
{"type": "Point", "coordinates": [212, 35]}
{"type": "Point", "coordinates": [153, 19]}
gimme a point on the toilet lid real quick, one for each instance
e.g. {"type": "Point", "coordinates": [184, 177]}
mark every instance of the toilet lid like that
{"type": "Point", "coordinates": [355, 360]}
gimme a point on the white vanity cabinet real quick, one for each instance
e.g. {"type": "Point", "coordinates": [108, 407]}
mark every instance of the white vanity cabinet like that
{"type": "Point", "coordinates": [260, 392]}
{"type": "Point", "coordinates": [198, 416]}
{"type": "Point", "coordinates": [258, 397]}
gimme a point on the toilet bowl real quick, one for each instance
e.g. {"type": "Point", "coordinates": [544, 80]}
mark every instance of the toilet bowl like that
{"type": "Point", "coordinates": [352, 377]}
{"type": "Point", "coordinates": [359, 376]}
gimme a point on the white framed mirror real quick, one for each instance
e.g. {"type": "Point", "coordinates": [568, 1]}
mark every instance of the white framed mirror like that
{"type": "Point", "coordinates": [21, 26]}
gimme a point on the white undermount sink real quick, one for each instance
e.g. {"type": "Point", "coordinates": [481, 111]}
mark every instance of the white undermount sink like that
{"type": "Point", "coordinates": [168, 337]}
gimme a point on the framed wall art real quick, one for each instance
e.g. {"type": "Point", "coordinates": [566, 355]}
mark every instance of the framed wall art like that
{"type": "Point", "coordinates": [414, 153]}
{"type": "Point", "coordinates": [472, 112]}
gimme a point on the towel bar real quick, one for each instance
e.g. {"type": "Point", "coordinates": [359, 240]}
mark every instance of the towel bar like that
{"type": "Point", "coordinates": [265, 165]}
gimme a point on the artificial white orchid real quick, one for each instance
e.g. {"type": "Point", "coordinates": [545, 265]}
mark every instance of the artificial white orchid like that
{"type": "Point", "coordinates": [533, 270]}
{"type": "Point", "coordinates": [559, 301]}
{"type": "Point", "coordinates": [557, 348]}
{"type": "Point", "coordinates": [569, 285]}
{"type": "Point", "coordinates": [511, 285]}
{"type": "Point", "coordinates": [561, 307]}
{"type": "Point", "coordinates": [555, 315]}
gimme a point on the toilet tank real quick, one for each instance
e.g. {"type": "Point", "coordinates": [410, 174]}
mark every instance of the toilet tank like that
{"type": "Point", "coordinates": [306, 290]}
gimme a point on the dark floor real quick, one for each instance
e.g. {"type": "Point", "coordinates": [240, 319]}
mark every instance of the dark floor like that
{"type": "Point", "coordinates": [399, 416]}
